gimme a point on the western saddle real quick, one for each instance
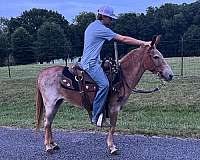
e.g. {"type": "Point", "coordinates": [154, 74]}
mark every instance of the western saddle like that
{"type": "Point", "coordinates": [75, 78]}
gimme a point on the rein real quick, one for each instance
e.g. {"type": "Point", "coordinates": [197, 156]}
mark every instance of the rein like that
{"type": "Point", "coordinates": [156, 89]}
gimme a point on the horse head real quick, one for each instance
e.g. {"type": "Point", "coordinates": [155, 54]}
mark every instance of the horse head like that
{"type": "Point", "coordinates": [155, 62]}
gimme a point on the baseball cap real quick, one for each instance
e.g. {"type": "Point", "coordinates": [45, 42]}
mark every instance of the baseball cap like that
{"type": "Point", "coordinates": [107, 11]}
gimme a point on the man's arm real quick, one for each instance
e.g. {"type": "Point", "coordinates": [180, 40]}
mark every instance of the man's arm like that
{"type": "Point", "coordinates": [130, 40]}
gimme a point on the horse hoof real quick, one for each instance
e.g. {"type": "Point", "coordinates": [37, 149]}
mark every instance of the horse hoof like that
{"type": "Point", "coordinates": [114, 151]}
{"type": "Point", "coordinates": [55, 146]}
{"type": "Point", "coordinates": [50, 150]}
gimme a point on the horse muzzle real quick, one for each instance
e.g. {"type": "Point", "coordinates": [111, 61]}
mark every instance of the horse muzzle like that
{"type": "Point", "coordinates": [166, 74]}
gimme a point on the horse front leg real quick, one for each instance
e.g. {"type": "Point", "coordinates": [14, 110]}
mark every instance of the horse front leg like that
{"type": "Point", "coordinates": [113, 120]}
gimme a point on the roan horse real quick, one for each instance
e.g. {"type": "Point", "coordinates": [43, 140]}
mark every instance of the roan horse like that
{"type": "Point", "coordinates": [50, 94]}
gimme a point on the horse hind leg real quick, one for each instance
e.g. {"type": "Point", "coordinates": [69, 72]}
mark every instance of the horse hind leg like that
{"type": "Point", "coordinates": [50, 113]}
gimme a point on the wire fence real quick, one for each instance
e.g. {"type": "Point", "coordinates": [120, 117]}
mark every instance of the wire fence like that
{"type": "Point", "coordinates": [183, 56]}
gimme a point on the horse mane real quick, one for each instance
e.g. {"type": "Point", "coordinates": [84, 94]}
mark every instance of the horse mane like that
{"type": "Point", "coordinates": [132, 53]}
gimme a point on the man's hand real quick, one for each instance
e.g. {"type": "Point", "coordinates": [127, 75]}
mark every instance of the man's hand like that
{"type": "Point", "coordinates": [146, 43]}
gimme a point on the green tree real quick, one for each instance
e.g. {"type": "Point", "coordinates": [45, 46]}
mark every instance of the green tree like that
{"type": "Point", "coordinates": [126, 24]}
{"type": "Point", "coordinates": [191, 41]}
{"type": "Point", "coordinates": [51, 43]}
{"type": "Point", "coordinates": [4, 44]}
{"type": "Point", "coordinates": [22, 51]}
{"type": "Point", "coordinates": [14, 23]}
{"type": "Point", "coordinates": [167, 11]}
{"type": "Point", "coordinates": [78, 27]}
{"type": "Point", "coordinates": [3, 24]}
{"type": "Point", "coordinates": [152, 24]}
{"type": "Point", "coordinates": [191, 12]}
{"type": "Point", "coordinates": [172, 21]}
{"type": "Point", "coordinates": [32, 20]}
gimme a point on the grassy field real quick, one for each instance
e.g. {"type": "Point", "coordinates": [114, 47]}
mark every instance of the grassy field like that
{"type": "Point", "coordinates": [175, 110]}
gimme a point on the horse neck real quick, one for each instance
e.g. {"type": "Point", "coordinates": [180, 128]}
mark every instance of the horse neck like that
{"type": "Point", "coordinates": [132, 67]}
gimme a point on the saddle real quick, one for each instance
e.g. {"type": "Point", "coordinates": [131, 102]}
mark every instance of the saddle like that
{"type": "Point", "coordinates": [75, 78]}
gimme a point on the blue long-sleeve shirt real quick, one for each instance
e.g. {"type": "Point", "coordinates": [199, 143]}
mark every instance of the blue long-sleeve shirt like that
{"type": "Point", "coordinates": [95, 35]}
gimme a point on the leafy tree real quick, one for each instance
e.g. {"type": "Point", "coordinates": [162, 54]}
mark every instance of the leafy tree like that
{"type": "Point", "coordinates": [126, 24]}
{"type": "Point", "coordinates": [84, 19]}
{"type": "Point", "coordinates": [191, 12]}
{"type": "Point", "coordinates": [78, 27]}
{"type": "Point", "coordinates": [14, 23]}
{"type": "Point", "coordinates": [152, 24]}
{"type": "Point", "coordinates": [32, 20]}
{"type": "Point", "coordinates": [172, 21]}
{"type": "Point", "coordinates": [51, 43]}
{"type": "Point", "coordinates": [191, 41]}
{"type": "Point", "coordinates": [192, 33]}
{"type": "Point", "coordinates": [3, 24]}
{"type": "Point", "coordinates": [175, 27]}
{"type": "Point", "coordinates": [22, 51]}
{"type": "Point", "coordinates": [77, 43]}
{"type": "Point", "coordinates": [148, 26]}
{"type": "Point", "coordinates": [4, 44]}
{"type": "Point", "coordinates": [167, 11]}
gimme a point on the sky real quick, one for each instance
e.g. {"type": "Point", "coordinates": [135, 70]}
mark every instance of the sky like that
{"type": "Point", "coordinates": [71, 8]}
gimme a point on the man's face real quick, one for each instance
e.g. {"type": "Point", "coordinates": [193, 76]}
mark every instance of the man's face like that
{"type": "Point", "coordinates": [107, 20]}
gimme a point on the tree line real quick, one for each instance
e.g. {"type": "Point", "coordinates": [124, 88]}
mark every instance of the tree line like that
{"type": "Point", "coordinates": [41, 35]}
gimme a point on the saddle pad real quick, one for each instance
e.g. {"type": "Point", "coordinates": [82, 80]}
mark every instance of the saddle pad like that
{"type": "Point", "coordinates": [68, 80]}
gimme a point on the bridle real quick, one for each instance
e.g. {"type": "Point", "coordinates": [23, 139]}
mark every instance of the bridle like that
{"type": "Point", "coordinates": [154, 71]}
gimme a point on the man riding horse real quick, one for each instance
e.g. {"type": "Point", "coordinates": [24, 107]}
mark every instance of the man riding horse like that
{"type": "Point", "coordinates": [95, 35]}
{"type": "Point", "coordinates": [51, 93]}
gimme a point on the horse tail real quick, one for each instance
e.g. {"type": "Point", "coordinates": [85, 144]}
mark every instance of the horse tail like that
{"type": "Point", "coordinates": [39, 108]}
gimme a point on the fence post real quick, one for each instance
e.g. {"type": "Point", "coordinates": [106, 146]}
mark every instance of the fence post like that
{"type": "Point", "coordinates": [8, 61]}
{"type": "Point", "coordinates": [182, 55]}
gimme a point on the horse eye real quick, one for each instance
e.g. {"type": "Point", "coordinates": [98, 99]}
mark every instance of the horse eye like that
{"type": "Point", "coordinates": [156, 57]}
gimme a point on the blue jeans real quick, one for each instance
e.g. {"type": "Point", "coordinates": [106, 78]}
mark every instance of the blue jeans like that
{"type": "Point", "coordinates": [98, 75]}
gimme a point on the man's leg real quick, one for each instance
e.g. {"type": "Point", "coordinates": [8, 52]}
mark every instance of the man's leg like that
{"type": "Point", "coordinates": [98, 75]}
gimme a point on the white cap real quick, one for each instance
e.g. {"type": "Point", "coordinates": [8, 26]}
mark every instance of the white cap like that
{"type": "Point", "coordinates": [107, 11]}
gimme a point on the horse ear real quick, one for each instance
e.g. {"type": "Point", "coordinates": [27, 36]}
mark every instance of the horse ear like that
{"type": "Point", "coordinates": [153, 41]}
{"type": "Point", "coordinates": [157, 39]}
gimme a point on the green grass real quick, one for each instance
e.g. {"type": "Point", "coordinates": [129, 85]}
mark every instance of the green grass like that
{"type": "Point", "coordinates": [191, 65]}
{"type": "Point", "coordinates": [175, 110]}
